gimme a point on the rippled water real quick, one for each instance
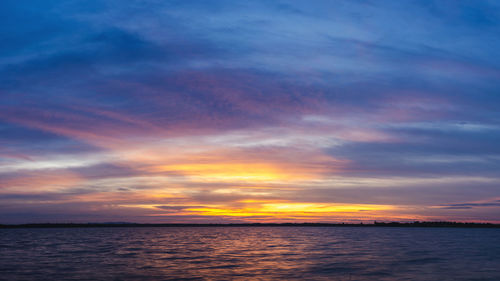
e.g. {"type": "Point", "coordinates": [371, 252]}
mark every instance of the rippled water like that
{"type": "Point", "coordinates": [251, 253]}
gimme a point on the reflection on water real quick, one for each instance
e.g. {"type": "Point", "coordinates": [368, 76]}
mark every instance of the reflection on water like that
{"type": "Point", "coordinates": [251, 253]}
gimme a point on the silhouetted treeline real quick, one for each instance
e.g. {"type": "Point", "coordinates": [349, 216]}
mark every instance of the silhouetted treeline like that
{"type": "Point", "coordinates": [437, 224]}
{"type": "Point", "coordinates": [375, 224]}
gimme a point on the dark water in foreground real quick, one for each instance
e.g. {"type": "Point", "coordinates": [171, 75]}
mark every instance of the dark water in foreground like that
{"type": "Point", "coordinates": [250, 253]}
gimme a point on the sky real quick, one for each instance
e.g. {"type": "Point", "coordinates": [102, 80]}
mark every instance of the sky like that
{"type": "Point", "coordinates": [249, 111]}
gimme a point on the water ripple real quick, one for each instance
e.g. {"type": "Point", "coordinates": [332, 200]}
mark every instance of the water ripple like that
{"type": "Point", "coordinates": [250, 253]}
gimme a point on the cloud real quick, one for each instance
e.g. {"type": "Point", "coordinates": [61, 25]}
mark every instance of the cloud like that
{"type": "Point", "coordinates": [149, 109]}
{"type": "Point", "coordinates": [464, 206]}
{"type": "Point", "coordinates": [442, 150]}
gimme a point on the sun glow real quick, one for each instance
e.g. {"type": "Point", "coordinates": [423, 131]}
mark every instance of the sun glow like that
{"type": "Point", "coordinates": [232, 171]}
{"type": "Point", "coordinates": [281, 210]}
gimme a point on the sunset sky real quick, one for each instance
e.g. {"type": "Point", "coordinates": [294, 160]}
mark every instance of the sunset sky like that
{"type": "Point", "coordinates": [249, 111]}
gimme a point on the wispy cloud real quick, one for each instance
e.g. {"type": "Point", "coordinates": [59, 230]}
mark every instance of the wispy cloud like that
{"type": "Point", "coordinates": [260, 111]}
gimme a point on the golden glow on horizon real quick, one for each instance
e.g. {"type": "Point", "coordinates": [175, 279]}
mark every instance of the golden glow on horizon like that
{"type": "Point", "coordinates": [204, 183]}
{"type": "Point", "coordinates": [288, 209]}
{"type": "Point", "coordinates": [268, 210]}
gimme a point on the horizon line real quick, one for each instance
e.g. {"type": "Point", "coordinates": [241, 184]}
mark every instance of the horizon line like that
{"type": "Point", "coordinates": [290, 224]}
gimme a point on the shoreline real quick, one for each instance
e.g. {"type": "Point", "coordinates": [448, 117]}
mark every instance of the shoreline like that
{"type": "Point", "coordinates": [376, 224]}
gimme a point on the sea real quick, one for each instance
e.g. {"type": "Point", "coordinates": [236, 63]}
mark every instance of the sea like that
{"type": "Point", "coordinates": [250, 253]}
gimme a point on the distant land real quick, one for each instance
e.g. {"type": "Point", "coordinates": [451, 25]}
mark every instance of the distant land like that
{"type": "Point", "coordinates": [375, 224]}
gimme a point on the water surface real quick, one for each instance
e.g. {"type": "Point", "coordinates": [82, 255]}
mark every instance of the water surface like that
{"type": "Point", "coordinates": [250, 253]}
